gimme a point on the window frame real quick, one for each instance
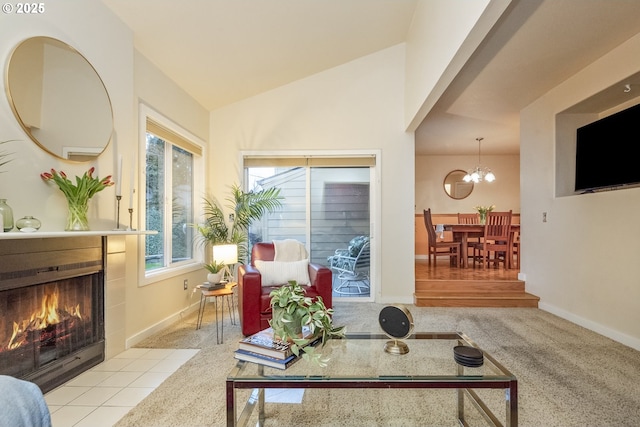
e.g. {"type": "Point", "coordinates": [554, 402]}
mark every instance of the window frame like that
{"type": "Point", "coordinates": [147, 113]}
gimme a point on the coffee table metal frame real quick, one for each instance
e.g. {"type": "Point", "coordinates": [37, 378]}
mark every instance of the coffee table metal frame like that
{"type": "Point", "coordinates": [503, 379]}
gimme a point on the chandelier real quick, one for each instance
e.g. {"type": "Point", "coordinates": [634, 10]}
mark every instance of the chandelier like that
{"type": "Point", "coordinates": [479, 174]}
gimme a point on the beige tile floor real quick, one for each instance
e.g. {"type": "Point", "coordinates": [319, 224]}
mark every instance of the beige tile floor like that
{"type": "Point", "coordinates": [102, 395]}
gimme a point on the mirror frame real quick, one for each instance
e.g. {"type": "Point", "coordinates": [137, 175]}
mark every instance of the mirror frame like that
{"type": "Point", "coordinates": [25, 88]}
{"type": "Point", "coordinates": [450, 179]}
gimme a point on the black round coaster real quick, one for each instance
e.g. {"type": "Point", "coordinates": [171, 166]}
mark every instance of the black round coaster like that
{"type": "Point", "coordinates": [468, 356]}
{"type": "Point", "coordinates": [468, 352]}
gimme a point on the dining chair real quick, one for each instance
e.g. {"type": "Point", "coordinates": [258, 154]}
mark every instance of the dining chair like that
{"type": "Point", "coordinates": [472, 242]}
{"type": "Point", "coordinates": [515, 245]}
{"type": "Point", "coordinates": [496, 240]}
{"type": "Point", "coordinates": [468, 218]}
{"type": "Point", "coordinates": [451, 249]}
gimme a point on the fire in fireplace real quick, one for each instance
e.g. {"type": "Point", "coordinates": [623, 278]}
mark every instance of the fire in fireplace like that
{"type": "Point", "coordinates": [52, 316]}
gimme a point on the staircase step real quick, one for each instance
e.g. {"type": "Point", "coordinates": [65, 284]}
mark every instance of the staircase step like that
{"type": "Point", "coordinates": [466, 299]}
{"type": "Point", "coordinates": [480, 286]}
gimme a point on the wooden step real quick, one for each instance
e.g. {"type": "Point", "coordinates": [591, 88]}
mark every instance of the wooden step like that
{"type": "Point", "coordinates": [479, 286]}
{"type": "Point", "coordinates": [474, 299]}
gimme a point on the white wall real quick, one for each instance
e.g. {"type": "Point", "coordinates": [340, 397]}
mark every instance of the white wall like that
{"type": "Point", "coordinates": [358, 105]}
{"type": "Point", "coordinates": [442, 37]}
{"type": "Point", "coordinates": [583, 262]}
{"type": "Point", "coordinates": [504, 192]}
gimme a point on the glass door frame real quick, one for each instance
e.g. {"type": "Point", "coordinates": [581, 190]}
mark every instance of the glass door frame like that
{"type": "Point", "coordinates": [374, 200]}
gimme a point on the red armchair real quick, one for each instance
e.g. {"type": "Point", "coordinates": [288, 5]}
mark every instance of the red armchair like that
{"type": "Point", "coordinates": [254, 303]}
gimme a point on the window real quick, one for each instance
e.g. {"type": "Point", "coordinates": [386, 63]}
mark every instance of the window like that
{"type": "Point", "coordinates": [171, 178]}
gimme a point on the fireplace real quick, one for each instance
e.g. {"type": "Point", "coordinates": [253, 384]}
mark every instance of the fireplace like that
{"type": "Point", "coordinates": [51, 308]}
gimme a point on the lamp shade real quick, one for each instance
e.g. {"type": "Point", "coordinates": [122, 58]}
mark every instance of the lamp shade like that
{"type": "Point", "coordinates": [226, 254]}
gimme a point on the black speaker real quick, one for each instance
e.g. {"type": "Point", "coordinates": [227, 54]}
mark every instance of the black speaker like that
{"type": "Point", "coordinates": [397, 323]}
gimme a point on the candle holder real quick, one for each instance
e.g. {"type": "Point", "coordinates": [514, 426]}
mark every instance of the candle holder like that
{"type": "Point", "coordinates": [130, 228]}
{"type": "Point", "coordinates": [118, 198]}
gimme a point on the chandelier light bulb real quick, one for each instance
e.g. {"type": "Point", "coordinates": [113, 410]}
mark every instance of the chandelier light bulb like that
{"type": "Point", "coordinates": [490, 177]}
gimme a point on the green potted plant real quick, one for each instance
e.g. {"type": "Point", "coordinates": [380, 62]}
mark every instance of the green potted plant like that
{"type": "Point", "coordinates": [292, 311]}
{"type": "Point", "coordinates": [246, 207]}
{"type": "Point", "coordinates": [215, 271]}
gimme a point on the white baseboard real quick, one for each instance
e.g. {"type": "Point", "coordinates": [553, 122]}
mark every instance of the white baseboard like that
{"type": "Point", "coordinates": [615, 335]}
{"type": "Point", "coordinates": [164, 323]}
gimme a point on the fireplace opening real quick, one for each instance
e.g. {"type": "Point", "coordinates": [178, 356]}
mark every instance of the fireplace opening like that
{"type": "Point", "coordinates": [52, 316]}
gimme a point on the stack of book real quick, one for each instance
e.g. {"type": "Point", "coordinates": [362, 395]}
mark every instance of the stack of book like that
{"type": "Point", "coordinates": [263, 348]}
{"type": "Point", "coordinates": [208, 286]}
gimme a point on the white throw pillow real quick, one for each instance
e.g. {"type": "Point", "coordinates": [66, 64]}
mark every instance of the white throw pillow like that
{"type": "Point", "coordinates": [279, 272]}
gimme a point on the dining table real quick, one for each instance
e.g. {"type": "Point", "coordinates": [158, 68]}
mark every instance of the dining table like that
{"type": "Point", "coordinates": [462, 233]}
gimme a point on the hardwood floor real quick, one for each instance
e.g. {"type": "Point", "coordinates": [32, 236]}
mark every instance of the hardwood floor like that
{"type": "Point", "coordinates": [439, 285]}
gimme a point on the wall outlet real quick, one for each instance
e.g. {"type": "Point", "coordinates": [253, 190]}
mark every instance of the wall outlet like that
{"type": "Point", "coordinates": [544, 217]}
{"type": "Point", "coordinates": [186, 284]}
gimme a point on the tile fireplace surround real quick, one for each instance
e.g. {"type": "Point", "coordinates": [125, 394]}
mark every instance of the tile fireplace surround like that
{"type": "Point", "coordinates": [42, 268]}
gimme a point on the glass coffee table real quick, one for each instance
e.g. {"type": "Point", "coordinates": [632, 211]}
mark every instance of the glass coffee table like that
{"type": "Point", "coordinates": [359, 363]}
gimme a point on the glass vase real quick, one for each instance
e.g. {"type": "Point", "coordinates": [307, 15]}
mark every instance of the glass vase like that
{"type": "Point", "coordinates": [28, 222]}
{"type": "Point", "coordinates": [77, 217]}
{"type": "Point", "coordinates": [483, 218]}
{"type": "Point", "coordinates": [6, 214]}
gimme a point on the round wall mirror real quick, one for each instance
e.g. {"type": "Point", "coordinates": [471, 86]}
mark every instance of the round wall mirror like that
{"type": "Point", "coordinates": [59, 99]}
{"type": "Point", "coordinates": [455, 187]}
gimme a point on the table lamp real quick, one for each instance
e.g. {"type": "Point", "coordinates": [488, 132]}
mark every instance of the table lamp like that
{"type": "Point", "coordinates": [226, 254]}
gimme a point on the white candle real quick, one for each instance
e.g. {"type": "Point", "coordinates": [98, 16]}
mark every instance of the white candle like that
{"type": "Point", "coordinates": [119, 177]}
{"type": "Point", "coordinates": [133, 181]}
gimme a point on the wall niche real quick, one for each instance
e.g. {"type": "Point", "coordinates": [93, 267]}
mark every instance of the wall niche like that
{"type": "Point", "coordinates": [611, 100]}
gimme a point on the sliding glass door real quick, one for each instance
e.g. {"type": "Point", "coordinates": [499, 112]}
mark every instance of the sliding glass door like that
{"type": "Point", "coordinates": [324, 207]}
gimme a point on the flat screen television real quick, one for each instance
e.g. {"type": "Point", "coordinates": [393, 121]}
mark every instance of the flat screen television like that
{"type": "Point", "coordinates": [606, 152]}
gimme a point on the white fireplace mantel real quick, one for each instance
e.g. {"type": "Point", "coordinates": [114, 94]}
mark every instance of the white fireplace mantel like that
{"type": "Point", "coordinates": [46, 234]}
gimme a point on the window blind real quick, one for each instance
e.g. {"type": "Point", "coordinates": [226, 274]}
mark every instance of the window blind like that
{"type": "Point", "coordinates": [309, 161]}
{"type": "Point", "coordinates": [169, 135]}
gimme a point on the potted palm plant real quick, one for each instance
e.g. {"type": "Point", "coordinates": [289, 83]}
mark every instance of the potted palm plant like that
{"type": "Point", "coordinates": [293, 310]}
{"type": "Point", "coordinates": [246, 207]}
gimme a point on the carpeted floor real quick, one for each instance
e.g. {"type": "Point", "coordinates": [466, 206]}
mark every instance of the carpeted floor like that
{"type": "Point", "coordinates": [567, 375]}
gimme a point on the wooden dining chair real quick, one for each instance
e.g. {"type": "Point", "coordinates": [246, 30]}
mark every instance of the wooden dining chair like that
{"type": "Point", "coordinates": [472, 242]}
{"type": "Point", "coordinates": [496, 240]}
{"type": "Point", "coordinates": [468, 218]}
{"type": "Point", "coordinates": [451, 249]}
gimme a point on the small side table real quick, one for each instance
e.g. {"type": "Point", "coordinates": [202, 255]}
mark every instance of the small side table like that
{"type": "Point", "coordinates": [227, 292]}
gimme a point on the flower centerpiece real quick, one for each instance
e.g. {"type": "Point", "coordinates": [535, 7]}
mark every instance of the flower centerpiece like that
{"type": "Point", "coordinates": [78, 194]}
{"type": "Point", "coordinates": [482, 210]}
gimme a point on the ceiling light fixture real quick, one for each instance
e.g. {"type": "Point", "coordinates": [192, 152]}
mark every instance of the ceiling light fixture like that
{"type": "Point", "coordinates": [479, 174]}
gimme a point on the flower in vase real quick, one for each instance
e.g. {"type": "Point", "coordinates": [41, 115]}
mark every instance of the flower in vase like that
{"type": "Point", "coordinates": [482, 210]}
{"type": "Point", "coordinates": [78, 194]}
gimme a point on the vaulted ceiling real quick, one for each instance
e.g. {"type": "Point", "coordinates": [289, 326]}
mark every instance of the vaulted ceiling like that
{"type": "Point", "coordinates": [222, 51]}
